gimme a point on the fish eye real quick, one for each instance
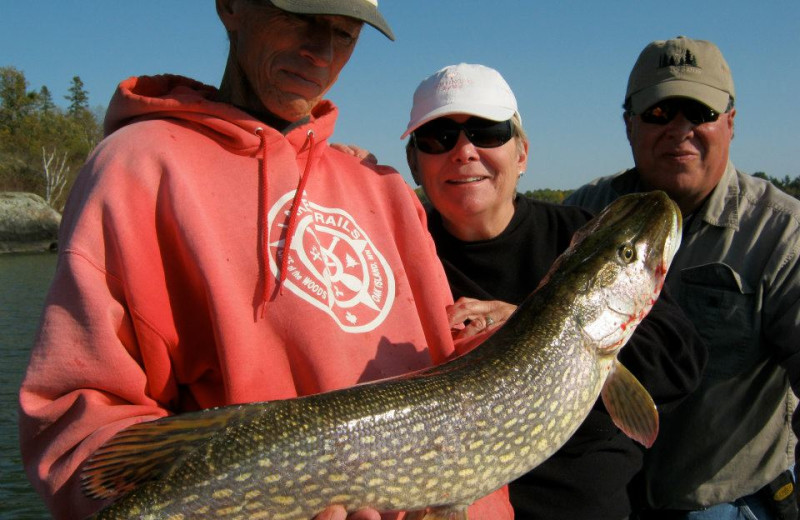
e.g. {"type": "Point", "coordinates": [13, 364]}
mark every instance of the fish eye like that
{"type": "Point", "coordinates": [627, 253]}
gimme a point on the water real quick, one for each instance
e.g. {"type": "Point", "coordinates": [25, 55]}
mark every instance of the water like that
{"type": "Point", "coordinates": [24, 280]}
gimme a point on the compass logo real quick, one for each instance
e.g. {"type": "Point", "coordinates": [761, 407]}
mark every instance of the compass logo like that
{"type": "Point", "coordinates": [332, 264]}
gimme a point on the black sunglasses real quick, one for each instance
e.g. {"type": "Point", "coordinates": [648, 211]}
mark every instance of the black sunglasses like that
{"type": "Point", "coordinates": [441, 135]}
{"type": "Point", "coordinates": [665, 111]}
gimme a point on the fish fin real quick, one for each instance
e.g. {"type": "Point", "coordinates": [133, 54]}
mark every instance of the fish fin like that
{"type": "Point", "coordinates": [630, 405]}
{"type": "Point", "coordinates": [148, 450]}
{"type": "Point", "coordinates": [439, 513]}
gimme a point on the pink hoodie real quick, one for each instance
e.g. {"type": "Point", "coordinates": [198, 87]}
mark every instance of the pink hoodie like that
{"type": "Point", "coordinates": [173, 292]}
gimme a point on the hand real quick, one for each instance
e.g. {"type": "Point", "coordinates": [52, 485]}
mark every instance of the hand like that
{"type": "Point", "coordinates": [482, 315]}
{"type": "Point", "coordinates": [356, 151]}
{"type": "Point", "coordinates": [339, 513]}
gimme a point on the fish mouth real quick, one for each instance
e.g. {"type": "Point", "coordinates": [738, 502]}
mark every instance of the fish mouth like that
{"type": "Point", "coordinates": [632, 243]}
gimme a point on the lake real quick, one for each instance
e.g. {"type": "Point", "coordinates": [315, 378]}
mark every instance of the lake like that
{"type": "Point", "coordinates": [24, 280]}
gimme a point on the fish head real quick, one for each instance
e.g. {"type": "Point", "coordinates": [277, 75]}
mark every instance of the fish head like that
{"type": "Point", "coordinates": [617, 264]}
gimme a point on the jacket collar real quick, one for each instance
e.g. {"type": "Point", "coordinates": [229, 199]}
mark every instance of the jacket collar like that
{"type": "Point", "coordinates": [721, 209]}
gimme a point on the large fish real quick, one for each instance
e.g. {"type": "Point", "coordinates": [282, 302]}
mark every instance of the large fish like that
{"type": "Point", "coordinates": [436, 440]}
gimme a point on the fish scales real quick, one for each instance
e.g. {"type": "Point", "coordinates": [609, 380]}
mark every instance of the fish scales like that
{"type": "Point", "coordinates": [408, 452]}
{"type": "Point", "coordinates": [441, 437]}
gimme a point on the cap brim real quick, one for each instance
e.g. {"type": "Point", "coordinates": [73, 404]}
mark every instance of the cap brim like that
{"type": "Point", "coordinates": [490, 112]}
{"type": "Point", "coordinates": [710, 96]}
{"type": "Point", "coordinates": [360, 10]}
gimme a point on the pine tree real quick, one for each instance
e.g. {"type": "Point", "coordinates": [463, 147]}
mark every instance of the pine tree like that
{"type": "Point", "coordinates": [46, 105]}
{"type": "Point", "coordinates": [78, 98]}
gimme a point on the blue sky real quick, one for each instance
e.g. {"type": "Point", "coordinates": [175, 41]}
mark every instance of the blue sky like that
{"type": "Point", "coordinates": [567, 61]}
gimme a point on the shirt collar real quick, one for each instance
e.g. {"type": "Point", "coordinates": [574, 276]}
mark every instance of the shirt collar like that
{"type": "Point", "coordinates": [720, 209]}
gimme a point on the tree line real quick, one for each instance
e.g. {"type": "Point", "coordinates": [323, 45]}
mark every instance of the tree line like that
{"type": "Point", "coordinates": [790, 186]}
{"type": "Point", "coordinates": [42, 146]}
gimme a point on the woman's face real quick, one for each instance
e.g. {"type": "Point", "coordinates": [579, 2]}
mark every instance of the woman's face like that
{"type": "Point", "coordinates": [472, 187]}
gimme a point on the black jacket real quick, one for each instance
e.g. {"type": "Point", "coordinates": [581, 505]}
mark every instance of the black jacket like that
{"type": "Point", "coordinates": [587, 478]}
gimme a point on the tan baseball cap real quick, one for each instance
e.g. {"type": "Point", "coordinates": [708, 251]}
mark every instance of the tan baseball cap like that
{"type": "Point", "coordinates": [680, 67]}
{"type": "Point", "coordinates": [465, 88]}
{"type": "Point", "coordinates": [364, 10]}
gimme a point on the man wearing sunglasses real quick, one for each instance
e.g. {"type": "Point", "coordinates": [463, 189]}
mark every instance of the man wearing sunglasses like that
{"type": "Point", "coordinates": [726, 452]}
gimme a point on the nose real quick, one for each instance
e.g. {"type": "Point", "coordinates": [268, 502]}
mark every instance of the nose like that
{"type": "Point", "coordinates": [679, 126]}
{"type": "Point", "coordinates": [318, 47]}
{"type": "Point", "coordinates": [464, 150]}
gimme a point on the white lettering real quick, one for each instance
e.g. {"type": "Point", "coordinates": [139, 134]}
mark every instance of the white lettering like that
{"type": "Point", "coordinates": [314, 287]}
{"type": "Point", "coordinates": [377, 292]}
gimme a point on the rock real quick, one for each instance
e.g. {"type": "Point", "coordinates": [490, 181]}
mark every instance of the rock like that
{"type": "Point", "coordinates": [27, 223]}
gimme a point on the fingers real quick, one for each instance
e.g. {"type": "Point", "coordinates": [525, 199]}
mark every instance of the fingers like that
{"type": "Point", "coordinates": [365, 514]}
{"type": "Point", "coordinates": [370, 159]}
{"type": "Point", "coordinates": [480, 314]}
{"type": "Point", "coordinates": [356, 151]}
{"type": "Point", "coordinates": [332, 513]}
{"type": "Point", "coordinates": [472, 328]}
{"type": "Point", "coordinates": [464, 309]}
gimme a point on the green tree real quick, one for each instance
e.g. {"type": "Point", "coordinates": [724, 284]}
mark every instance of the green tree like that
{"type": "Point", "coordinates": [790, 186]}
{"type": "Point", "coordinates": [548, 195]}
{"type": "Point", "coordinates": [41, 145]}
{"type": "Point", "coordinates": [46, 105]}
{"type": "Point", "coordinates": [15, 101]}
{"type": "Point", "coordinates": [78, 98]}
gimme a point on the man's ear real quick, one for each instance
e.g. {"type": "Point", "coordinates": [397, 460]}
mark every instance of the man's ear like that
{"type": "Point", "coordinates": [226, 10]}
{"type": "Point", "coordinates": [731, 115]}
{"type": "Point", "coordinates": [627, 118]}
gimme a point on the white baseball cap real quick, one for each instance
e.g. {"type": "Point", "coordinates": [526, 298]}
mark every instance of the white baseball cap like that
{"type": "Point", "coordinates": [465, 88]}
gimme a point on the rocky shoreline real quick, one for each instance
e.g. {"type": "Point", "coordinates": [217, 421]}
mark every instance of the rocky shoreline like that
{"type": "Point", "coordinates": [27, 223]}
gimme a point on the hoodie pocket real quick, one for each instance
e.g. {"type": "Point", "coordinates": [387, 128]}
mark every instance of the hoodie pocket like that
{"type": "Point", "coordinates": [722, 307]}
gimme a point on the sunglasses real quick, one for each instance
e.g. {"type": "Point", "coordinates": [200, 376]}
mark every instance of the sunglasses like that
{"type": "Point", "coordinates": [441, 135]}
{"type": "Point", "coordinates": [665, 111]}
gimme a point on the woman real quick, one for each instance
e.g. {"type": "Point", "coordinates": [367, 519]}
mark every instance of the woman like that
{"type": "Point", "coordinates": [467, 149]}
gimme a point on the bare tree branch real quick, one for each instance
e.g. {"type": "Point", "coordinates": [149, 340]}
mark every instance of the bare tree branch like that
{"type": "Point", "coordinates": [55, 175]}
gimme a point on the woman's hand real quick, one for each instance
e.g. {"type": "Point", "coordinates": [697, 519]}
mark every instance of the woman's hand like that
{"type": "Point", "coordinates": [481, 314]}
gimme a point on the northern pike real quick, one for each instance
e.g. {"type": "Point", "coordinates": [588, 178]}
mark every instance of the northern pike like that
{"type": "Point", "coordinates": [433, 441]}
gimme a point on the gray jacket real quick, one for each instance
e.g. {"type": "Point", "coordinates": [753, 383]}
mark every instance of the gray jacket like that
{"type": "Point", "coordinates": [737, 277]}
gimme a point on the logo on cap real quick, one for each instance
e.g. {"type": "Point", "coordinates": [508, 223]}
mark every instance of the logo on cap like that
{"type": "Point", "coordinates": [672, 60]}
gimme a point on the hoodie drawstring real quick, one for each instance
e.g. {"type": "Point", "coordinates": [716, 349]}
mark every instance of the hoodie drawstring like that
{"type": "Point", "coordinates": [262, 172]}
{"type": "Point", "coordinates": [287, 246]}
{"type": "Point", "coordinates": [290, 230]}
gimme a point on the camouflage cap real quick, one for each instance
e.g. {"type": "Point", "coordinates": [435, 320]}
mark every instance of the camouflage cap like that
{"type": "Point", "coordinates": [680, 67]}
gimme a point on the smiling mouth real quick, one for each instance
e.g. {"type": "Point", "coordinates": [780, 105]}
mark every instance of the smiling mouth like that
{"type": "Point", "coordinates": [680, 153]}
{"type": "Point", "coordinates": [466, 180]}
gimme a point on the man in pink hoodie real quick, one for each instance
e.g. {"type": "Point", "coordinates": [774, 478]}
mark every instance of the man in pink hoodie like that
{"type": "Point", "coordinates": [215, 250]}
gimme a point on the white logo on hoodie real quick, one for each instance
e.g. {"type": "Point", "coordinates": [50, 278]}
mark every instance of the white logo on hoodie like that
{"type": "Point", "coordinates": [332, 264]}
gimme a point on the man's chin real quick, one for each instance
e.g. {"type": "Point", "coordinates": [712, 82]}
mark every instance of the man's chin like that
{"type": "Point", "coordinates": [292, 108]}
